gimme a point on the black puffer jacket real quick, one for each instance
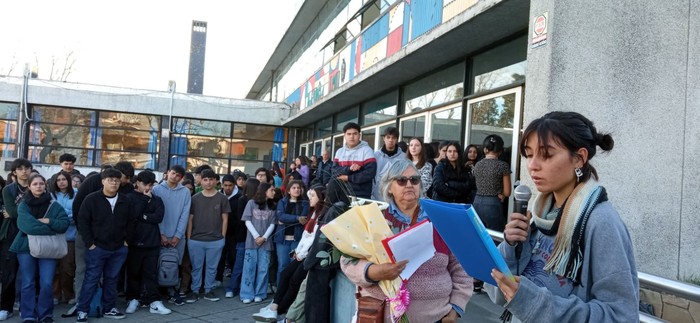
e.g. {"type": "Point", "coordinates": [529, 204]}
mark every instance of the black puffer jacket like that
{"type": "Point", "coordinates": [142, 229]}
{"type": "Point", "coordinates": [451, 184]}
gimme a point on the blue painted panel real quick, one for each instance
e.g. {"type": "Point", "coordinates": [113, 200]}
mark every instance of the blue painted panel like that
{"type": "Point", "coordinates": [378, 31]}
{"type": "Point", "coordinates": [426, 14]}
{"type": "Point", "coordinates": [406, 22]}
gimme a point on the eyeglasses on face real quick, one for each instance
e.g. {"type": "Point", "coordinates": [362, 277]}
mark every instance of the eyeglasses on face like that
{"type": "Point", "coordinates": [402, 180]}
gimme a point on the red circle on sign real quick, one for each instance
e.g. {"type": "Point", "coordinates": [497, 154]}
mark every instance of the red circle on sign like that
{"type": "Point", "coordinates": [540, 24]}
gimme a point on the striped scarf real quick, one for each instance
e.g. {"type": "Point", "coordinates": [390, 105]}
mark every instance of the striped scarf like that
{"type": "Point", "coordinates": [569, 227]}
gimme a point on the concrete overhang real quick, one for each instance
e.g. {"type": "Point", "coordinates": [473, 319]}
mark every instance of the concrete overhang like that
{"type": "Point", "coordinates": [108, 98]}
{"type": "Point", "coordinates": [481, 25]}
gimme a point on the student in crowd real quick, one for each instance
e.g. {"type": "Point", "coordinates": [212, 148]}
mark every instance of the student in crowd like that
{"type": "Point", "coordinates": [37, 215]}
{"type": "Point", "coordinates": [451, 181]}
{"type": "Point", "coordinates": [417, 156]}
{"type": "Point", "coordinates": [198, 177]}
{"type": "Point", "coordinates": [263, 175]}
{"type": "Point", "coordinates": [76, 180]}
{"type": "Point", "coordinates": [292, 212]}
{"type": "Point", "coordinates": [323, 169]}
{"type": "Point", "coordinates": [241, 233]}
{"type": "Point", "coordinates": [12, 195]}
{"type": "Point", "coordinates": [577, 260]}
{"type": "Point", "coordinates": [90, 185]}
{"type": "Point", "coordinates": [259, 216]}
{"type": "Point", "coordinates": [144, 240]}
{"type": "Point", "coordinates": [440, 150]}
{"type": "Point", "coordinates": [355, 163]}
{"type": "Point", "coordinates": [303, 168]}
{"type": "Point", "coordinates": [228, 255]}
{"type": "Point", "coordinates": [206, 230]}
{"type": "Point", "coordinates": [385, 157]}
{"type": "Point", "coordinates": [293, 171]}
{"type": "Point", "coordinates": [102, 222]}
{"type": "Point", "coordinates": [67, 162]}
{"type": "Point", "coordinates": [176, 205]}
{"type": "Point", "coordinates": [493, 184]}
{"type": "Point", "coordinates": [65, 272]}
{"type": "Point", "coordinates": [294, 274]}
{"type": "Point", "coordinates": [277, 174]}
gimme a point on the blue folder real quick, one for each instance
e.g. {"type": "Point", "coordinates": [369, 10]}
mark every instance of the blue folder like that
{"type": "Point", "coordinates": [467, 238]}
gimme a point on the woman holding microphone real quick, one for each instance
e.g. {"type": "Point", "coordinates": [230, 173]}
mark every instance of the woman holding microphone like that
{"type": "Point", "coordinates": [575, 262]}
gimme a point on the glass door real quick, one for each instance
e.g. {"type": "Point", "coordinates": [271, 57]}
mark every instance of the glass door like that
{"type": "Point", "coordinates": [413, 126]}
{"type": "Point", "coordinates": [446, 124]}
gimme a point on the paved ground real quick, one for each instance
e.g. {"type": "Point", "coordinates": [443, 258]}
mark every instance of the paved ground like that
{"type": "Point", "coordinates": [480, 309]}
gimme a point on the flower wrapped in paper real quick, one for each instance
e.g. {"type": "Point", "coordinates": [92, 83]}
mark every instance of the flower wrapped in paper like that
{"type": "Point", "coordinates": [358, 233]}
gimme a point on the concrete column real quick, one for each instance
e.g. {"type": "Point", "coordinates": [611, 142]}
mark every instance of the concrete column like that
{"type": "Point", "coordinates": [625, 65]}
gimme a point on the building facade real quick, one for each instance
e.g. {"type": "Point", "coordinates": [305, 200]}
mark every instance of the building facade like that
{"type": "Point", "coordinates": [463, 69]}
{"type": "Point", "coordinates": [40, 120]}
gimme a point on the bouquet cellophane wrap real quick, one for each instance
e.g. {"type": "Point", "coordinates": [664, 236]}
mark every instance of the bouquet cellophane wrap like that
{"type": "Point", "coordinates": [358, 233]}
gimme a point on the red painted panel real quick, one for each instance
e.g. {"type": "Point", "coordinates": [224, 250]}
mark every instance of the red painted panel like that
{"type": "Point", "coordinates": [394, 41]}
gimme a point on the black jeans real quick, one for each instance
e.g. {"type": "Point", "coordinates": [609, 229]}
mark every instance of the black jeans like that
{"type": "Point", "coordinates": [228, 257]}
{"type": "Point", "coordinates": [317, 304]}
{"type": "Point", "coordinates": [9, 267]}
{"type": "Point", "coordinates": [142, 274]}
{"type": "Point", "coordinates": [289, 284]}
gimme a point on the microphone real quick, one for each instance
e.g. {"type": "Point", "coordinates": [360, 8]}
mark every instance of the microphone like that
{"type": "Point", "coordinates": [522, 196]}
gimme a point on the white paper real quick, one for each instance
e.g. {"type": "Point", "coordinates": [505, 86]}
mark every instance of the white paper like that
{"type": "Point", "coordinates": [416, 245]}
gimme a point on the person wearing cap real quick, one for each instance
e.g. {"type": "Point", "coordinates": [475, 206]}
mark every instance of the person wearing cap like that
{"type": "Point", "coordinates": [143, 238]}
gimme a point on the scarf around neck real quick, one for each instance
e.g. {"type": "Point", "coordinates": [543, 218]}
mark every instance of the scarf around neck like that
{"type": "Point", "coordinates": [568, 227]}
{"type": "Point", "coordinates": [38, 205]}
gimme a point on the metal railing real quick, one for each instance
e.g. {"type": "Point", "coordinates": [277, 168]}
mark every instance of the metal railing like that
{"type": "Point", "coordinates": [653, 282]}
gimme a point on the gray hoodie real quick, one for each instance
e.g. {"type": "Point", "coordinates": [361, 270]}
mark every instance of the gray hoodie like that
{"type": "Point", "coordinates": [609, 289]}
{"type": "Point", "coordinates": [384, 162]}
{"type": "Point", "coordinates": [177, 209]}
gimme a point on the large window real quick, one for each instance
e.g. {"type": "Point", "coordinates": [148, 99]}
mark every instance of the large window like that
{"type": "Point", "coordinates": [225, 146]}
{"type": "Point", "coordinates": [95, 138]}
{"type": "Point", "coordinates": [380, 109]}
{"type": "Point", "coordinates": [347, 116]}
{"type": "Point", "coordinates": [323, 128]}
{"type": "Point", "coordinates": [435, 89]}
{"type": "Point", "coordinates": [8, 129]}
{"type": "Point", "coordinates": [500, 66]}
{"type": "Point", "coordinates": [446, 125]}
{"type": "Point", "coordinates": [413, 127]}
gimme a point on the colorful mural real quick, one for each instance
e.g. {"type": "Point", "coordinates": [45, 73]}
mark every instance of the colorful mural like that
{"type": "Point", "coordinates": [400, 23]}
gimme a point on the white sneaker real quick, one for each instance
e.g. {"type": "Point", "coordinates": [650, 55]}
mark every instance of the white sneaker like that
{"type": "Point", "coordinates": [229, 295]}
{"type": "Point", "coordinates": [246, 301]}
{"type": "Point", "coordinates": [4, 315]}
{"type": "Point", "coordinates": [265, 315]}
{"type": "Point", "coordinates": [258, 299]}
{"type": "Point", "coordinates": [157, 307]}
{"type": "Point", "coordinates": [132, 307]}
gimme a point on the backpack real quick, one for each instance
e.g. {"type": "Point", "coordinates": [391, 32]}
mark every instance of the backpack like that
{"type": "Point", "coordinates": [168, 269]}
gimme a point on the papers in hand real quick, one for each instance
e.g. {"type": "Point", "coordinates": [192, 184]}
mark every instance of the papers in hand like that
{"type": "Point", "coordinates": [414, 244]}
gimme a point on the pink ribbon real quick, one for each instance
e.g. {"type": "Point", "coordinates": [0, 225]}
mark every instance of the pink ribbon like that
{"type": "Point", "coordinates": [400, 302]}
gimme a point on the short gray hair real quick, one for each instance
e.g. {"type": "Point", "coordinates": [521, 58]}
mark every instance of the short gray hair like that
{"type": "Point", "coordinates": [396, 169]}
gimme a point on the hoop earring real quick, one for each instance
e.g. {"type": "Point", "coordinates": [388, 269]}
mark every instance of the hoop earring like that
{"type": "Point", "coordinates": [578, 173]}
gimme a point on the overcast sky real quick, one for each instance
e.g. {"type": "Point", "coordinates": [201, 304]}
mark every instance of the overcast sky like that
{"type": "Point", "coordinates": [143, 44]}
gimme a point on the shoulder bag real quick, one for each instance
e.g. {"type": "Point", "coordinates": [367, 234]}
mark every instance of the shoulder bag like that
{"type": "Point", "coordinates": [49, 246]}
{"type": "Point", "coordinates": [369, 309]}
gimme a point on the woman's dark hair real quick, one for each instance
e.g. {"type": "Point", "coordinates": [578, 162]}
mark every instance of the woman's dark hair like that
{"type": "Point", "coordinates": [292, 183]}
{"type": "Point", "coordinates": [3, 183]}
{"type": "Point", "coordinates": [441, 145]}
{"type": "Point", "coordinates": [429, 150]}
{"type": "Point", "coordinates": [303, 159]}
{"type": "Point", "coordinates": [479, 153]}
{"type": "Point", "coordinates": [187, 181]}
{"type": "Point", "coordinates": [321, 206]}
{"type": "Point", "coordinates": [260, 197]}
{"type": "Point", "coordinates": [251, 186]}
{"type": "Point", "coordinates": [268, 176]}
{"type": "Point", "coordinates": [460, 157]}
{"type": "Point", "coordinates": [572, 131]}
{"type": "Point", "coordinates": [493, 143]}
{"type": "Point", "coordinates": [35, 175]}
{"type": "Point", "coordinates": [276, 169]}
{"type": "Point", "coordinates": [70, 190]}
{"type": "Point", "coordinates": [422, 157]}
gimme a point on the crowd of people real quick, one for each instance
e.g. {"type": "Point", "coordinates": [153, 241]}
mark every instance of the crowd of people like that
{"type": "Point", "coordinates": [262, 231]}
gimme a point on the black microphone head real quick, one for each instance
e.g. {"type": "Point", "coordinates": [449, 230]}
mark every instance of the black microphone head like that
{"type": "Point", "coordinates": [522, 193]}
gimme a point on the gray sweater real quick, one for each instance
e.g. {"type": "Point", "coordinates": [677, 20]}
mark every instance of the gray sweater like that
{"type": "Point", "coordinates": [609, 289]}
{"type": "Point", "coordinates": [177, 204]}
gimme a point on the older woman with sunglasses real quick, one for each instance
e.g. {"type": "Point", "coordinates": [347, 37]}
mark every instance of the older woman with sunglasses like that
{"type": "Point", "coordinates": [440, 288]}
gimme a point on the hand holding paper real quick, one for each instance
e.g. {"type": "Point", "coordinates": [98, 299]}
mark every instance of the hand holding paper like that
{"type": "Point", "coordinates": [414, 244]}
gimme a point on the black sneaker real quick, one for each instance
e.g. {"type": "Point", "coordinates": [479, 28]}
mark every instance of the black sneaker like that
{"type": "Point", "coordinates": [47, 320]}
{"type": "Point", "coordinates": [82, 317]}
{"type": "Point", "coordinates": [210, 296]}
{"type": "Point", "coordinates": [194, 297]}
{"type": "Point", "coordinates": [114, 314]}
{"type": "Point", "coordinates": [176, 300]}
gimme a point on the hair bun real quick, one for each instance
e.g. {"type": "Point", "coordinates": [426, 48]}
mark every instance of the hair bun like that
{"type": "Point", "coordinates": [605, 141]}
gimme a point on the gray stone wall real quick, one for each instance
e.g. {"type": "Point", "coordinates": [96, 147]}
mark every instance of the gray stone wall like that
{"type": "Point", "coordinates": [632, 67]}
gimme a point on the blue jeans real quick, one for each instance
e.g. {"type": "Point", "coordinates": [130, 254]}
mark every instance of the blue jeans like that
{"type": "Point", "coordinates": [490, 211]}
{"type": "Point", "coordinates": [106, 264]}
{"type": "Point", "coordinates": [234, 284]}
{"type": "Point", "coordinates": [29, 308]}
{"type": "Point", "coordinates": [201, 252]}
{"type": "Point", "coordinates": [283, 258]}
{"type": "Point", "coordinates": [254, 280]}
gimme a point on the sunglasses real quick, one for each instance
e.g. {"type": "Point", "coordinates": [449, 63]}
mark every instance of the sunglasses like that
{"type": "Point", "coordinates": [402, 180]}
